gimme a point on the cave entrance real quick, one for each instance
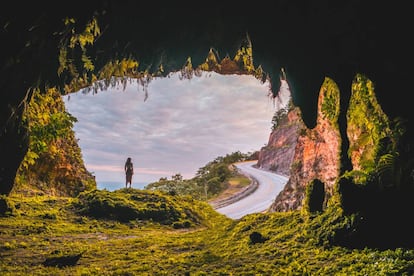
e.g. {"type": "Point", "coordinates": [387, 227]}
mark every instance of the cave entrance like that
{"type": "Point", "coordinates": [82, 63]}
{"type": "Point", "coordinates": [170, 125]}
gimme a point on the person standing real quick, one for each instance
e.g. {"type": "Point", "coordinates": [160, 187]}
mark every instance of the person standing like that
{"type": "Point", "coordinates": [129, 171]}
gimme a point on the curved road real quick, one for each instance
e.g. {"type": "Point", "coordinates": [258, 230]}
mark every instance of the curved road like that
{"type": "Point", "coordinates": [270, 185]}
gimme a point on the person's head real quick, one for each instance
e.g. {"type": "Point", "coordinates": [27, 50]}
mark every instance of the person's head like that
{"type": "Point", "coordinates": [129, 159]}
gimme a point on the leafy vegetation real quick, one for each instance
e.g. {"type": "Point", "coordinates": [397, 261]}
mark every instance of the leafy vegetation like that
{"type": "Point", "coordinates": [395, 161]}
{"type": "Point", "coordinates": [154, 233]}
{"type": "Point", "coordinates": [330, 106]}
{"type": "Point", "coordinates": [210, 180]}
{"type": "Point", "coordinates": [367, 125]}
{"type": "Point", "coordinates": [280, 115]}
{"type": "Point", "coordinates": [78, 70]}
{"type": "Point", "coordinates": [48, 235]}
{"type": "Point", "coordinates": [383, 166]}
{"type": "Point", "coordinates": [53, 163]}
{"type": "Point", "coordinates": [168, 229]}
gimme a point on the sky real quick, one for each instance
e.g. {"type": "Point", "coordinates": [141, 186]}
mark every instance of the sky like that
{"type": "Point", "coordinates": [179, 128]}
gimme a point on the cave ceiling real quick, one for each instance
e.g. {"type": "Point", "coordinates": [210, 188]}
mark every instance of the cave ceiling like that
{"type": "Point", "coordinates": [309, 39]}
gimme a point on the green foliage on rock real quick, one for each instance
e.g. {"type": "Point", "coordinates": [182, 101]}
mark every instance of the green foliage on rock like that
{"type": "Point", "coordinates": [53, 163]}
{"type": "Point", "coordinates": [45, 230]}
{"type": "Point", "coordinates": [330, 106]}
{"type": "Point", "coordinates": [395, 162]}
{"type": "Point", "coordinates": [244, 56]}
{"type": "Point", "coordinates": [131, 204]}
{"type": "Point", "coordinates": [74, 44]}
{"type": "Point", "coordinates": [379, 151]}
{"type": "Point", "coordinates": [367, 125]}
{"type": "Point", "coordinates": [279, 117]}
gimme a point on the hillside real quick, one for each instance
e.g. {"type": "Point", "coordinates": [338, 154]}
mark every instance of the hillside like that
{"type": "Point", "coordinates": [94, 235]}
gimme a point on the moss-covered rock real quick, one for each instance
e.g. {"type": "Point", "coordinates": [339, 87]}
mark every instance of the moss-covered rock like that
{"type": "Point", "coordinates": [367, 125]}
{"type": "Point", "coordinates": [53, 163]}
{"type": "Point", "coordinates": [130, 204]}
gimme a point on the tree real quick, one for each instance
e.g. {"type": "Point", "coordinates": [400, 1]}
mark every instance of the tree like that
{"type": "Point", "coordinates": [177, 177]}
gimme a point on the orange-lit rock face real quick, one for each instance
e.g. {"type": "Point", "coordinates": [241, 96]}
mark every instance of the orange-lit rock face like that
{"type": "Point", "coordinates": [316, 155]}
{"type": "Point", "coordinates": [277, 155]}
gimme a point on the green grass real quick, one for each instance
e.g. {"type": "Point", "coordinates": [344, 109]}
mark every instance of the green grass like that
{"type": "Point", "coordinates": [239, 181]}
{"type": "Point", "coordinates": [43, 228]}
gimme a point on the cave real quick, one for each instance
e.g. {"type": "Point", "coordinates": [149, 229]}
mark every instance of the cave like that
{"type": "Point", "coordinates": [309, 40]}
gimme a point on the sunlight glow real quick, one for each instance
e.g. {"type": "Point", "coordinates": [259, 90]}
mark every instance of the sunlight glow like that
{"type": "Point", "coordinates": [183, 125]}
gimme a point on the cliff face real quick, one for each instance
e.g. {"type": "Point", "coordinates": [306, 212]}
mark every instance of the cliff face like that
{"type": "Point", "coordinates": [316, 153]}
{"type": "Point", "coordinates": [278, 154]}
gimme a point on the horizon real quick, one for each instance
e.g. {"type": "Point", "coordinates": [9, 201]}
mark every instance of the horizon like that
{"type": "Point", "coordinates": [179, 128]}
{"type": "Point", "coordinates": [116, 185]}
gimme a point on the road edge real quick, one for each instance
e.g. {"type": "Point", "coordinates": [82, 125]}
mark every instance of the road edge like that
{"type": "Point", "coordinates": [246, 191]}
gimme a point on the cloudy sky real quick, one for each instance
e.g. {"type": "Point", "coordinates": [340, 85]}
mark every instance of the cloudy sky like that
{"type": "Point", "coordinates": [181, 126]}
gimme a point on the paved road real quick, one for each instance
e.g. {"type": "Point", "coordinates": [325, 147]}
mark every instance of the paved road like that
{"type": "Point", "coordinates": [270, 185]}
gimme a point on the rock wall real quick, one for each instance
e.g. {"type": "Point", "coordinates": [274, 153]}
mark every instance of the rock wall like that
{"type": "Point", "coordinates": [316, 154]}
{"type": "Point", "coordinates": [277, 155]}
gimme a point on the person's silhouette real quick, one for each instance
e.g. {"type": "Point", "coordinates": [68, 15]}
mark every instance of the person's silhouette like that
{"type": "Point", "coordinates": [129, 171]}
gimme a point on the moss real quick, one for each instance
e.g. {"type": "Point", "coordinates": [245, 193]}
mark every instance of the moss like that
{"type": "Point", "coordinates": [129, 205]}
{"type": "Point", "coordinates": [53, 163]}
{"type": "Point", "coordinates": [330, 105]}
{"type": "Point", "coordinates": [284, 243]}
{"type": "Point", "coordinates": [367, 124]}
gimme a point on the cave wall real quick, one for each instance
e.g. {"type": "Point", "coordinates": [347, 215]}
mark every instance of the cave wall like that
{"type": "Point", "coordinates": [317, 152]}
{"type": "Point", "coordinates": [310, 40]}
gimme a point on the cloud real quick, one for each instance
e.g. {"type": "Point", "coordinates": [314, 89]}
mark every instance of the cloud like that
{"type": "Point", "coordinates": [182, 125]}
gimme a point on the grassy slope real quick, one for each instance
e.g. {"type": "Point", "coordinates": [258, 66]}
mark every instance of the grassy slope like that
{"type": "Point", "coordinates": [260, 244]}
{"type": "Point", "coordinates": [235, 185]}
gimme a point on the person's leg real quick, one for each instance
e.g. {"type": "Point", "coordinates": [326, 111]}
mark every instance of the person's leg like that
{"type": "Point", "coordinates": [129, 180]}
